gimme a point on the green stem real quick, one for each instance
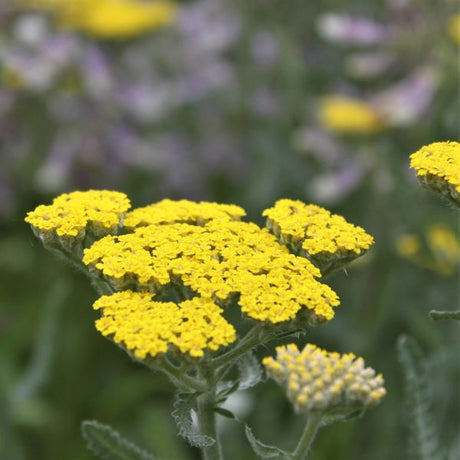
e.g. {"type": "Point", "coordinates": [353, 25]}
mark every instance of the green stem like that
{"type": "Point", "coordinates": [253, 338]}
{"type": "Point", "coordinates": [436, 314]}
{"type": "Point", "coordinates": [102, 287]}
{"type": "Point", "coordinates": [305, 441]}
{"type": "Point", "coordinates": [207, 420]}
{"type": "Point", "coordinates": [179, 377]}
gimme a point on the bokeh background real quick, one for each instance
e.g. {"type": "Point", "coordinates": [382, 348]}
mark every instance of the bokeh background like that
{"type": "Point", "coordinates": [234, 101]}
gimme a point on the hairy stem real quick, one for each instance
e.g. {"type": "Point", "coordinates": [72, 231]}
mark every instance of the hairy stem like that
{"type": "Point", "coordinates": [179, 377]}
{"type": "Point", "coordinates": [308, 435]}
{"type": "Point", "coordinates": [253, 338]}
{"type": "Point", "coordinates": [206, 414]}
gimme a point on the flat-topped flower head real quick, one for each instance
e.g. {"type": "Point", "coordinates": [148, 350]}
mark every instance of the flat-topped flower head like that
{"type": "Point", "coordinates": [147, 328]}
{"type": "Point", "coordinates": [72, 215]}
{"type": "Point", "coordinates": [326, 239]}
{"type": "Point", "coordinates": [224, 260]}
{"type": "Point", "coordinates": [317, 380]}
{"type": "Point", "coordinates": [182, 211]}
{"type": "Point", "coordinates": [438, 167]}
{"type": "Point", "coordinates": [343, 114]}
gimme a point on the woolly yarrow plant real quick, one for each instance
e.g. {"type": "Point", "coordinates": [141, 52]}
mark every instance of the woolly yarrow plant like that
{"type": "Point", "coordinates": [170, 275]}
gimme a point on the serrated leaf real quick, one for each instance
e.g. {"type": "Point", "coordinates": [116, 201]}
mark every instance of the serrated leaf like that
{"type": "Point", "coordinates": [263, 450]}
{"type": "Point", "coordinates": [250, 371]}
{"type": "Point", "coordinates": [107, 444]}
{"type": "Point", "coordinates": [182, 414]}
{"type": "Point", "coordinates": [424, 440]}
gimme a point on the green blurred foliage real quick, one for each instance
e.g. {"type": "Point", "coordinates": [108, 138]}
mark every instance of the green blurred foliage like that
{"type": "Point", "coordinates": [82, 376]}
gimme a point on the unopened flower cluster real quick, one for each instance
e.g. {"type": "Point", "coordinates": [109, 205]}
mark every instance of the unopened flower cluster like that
{"type": "Point", "coordinates": [316, 380]}
{"type": "Point", "coordinates": [438, 167]}
{"type": "Point", "coordinates": [175, 266]}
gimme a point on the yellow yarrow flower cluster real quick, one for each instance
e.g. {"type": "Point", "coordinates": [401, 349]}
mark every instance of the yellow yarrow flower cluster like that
{"type": "Point", "coordinates": [71, 215]}
{"type": "Point", "coordinates": [317, 380]}
{"type": "Point", "coordinates": [438, 167]}
{"type": "Point", "coordinates": [148, 328]}
{"type": "Point", "coordinates": [347, 115]}
{"type": "Point", "coordinates": [175, 266]}
{"type": "Point", "coordinates": [325, 238]}
{"type": "Point", "coordinates": [109, 19]}
{"type": "Point", "coordinates": [221, 259]}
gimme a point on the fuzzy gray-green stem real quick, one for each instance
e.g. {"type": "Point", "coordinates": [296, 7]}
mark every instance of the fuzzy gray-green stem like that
{"type": "Point", "coordinates": [308, 435]}
{"type": "Point", "coordinates": [178, 376]}
{"type": "Point", "coordinates": [206, 414]}
{"type": "Point", "coordinates": [253, 338]}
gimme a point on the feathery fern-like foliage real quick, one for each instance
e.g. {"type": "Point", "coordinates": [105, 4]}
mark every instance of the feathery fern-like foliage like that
{"type": "Point", "coordinates": [424, 442]}
{"type": "Point", "coordinates": [107, 444]}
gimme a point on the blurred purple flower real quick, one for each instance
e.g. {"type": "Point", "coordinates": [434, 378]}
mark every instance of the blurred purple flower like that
{"type": "Point", "coordinates": [265, 49]}
{"type": "Point", "coordinates": [208, 27]}
{"type": "Point", "coordinates": [405, 102]}
{"type": "Point", "coordinates": [369, 64]}
{"type": "Point", "coordinates": [333, 187]}
{"type": "Point", "coordinates": [96, 72]}
{"type": "Point", "coordinates": [351, 30]}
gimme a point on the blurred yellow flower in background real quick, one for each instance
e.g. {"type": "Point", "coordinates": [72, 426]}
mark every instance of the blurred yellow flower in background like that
{"type": "Point", "coordinates": [109, 19]}
{"type": "Point", "coordinates": [348, 115]}
{"type": "Point", "coordinates": [454, 28]}
{"type": "Point", "coordinates": [442, 249]}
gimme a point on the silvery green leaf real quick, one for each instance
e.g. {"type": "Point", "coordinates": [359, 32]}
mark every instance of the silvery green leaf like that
{"type": "Point", "coordinates": [227, 389]}
{"type": "Point", "coordinates": [224, 412]}
{"type": "Point", "coordinates": [263, 450]}
{"type": "Point", "coordinates": [107, 444]}
{"type": "Point", "coordinates": [250, 371]}
{"type": "Point", "coordinates": [182, 414]}
{"type": "Point", "coordinates": [424, 436]}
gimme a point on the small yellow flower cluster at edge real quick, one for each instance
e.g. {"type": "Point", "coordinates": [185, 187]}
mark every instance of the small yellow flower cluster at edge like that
{"type": "Point", "coordinates": [315, 379]}
{"type": "Point", "coordinates": [71, 214]}
{"type": "Point", "coordinates": [438, 163]}
{"type": "Point", "coordinates": [315, 229]}
{"type": "Point", "coordinates": [108, 19]}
